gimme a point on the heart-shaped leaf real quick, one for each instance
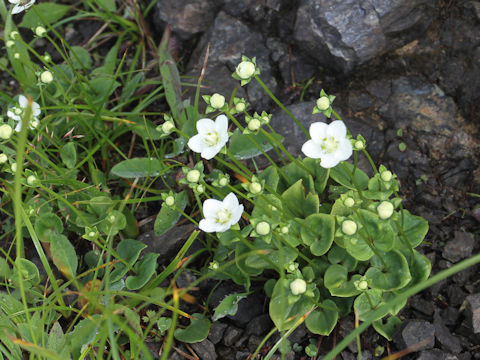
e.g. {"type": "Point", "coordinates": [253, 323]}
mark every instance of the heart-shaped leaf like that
{"type": "Point", "coordinates": [145, 269]}
{"type": "Point", "coordinates": [336, 281]}
{"type": "Point", "coordinates": [318, 232]}
{"type": "Point", "coordinates": [322, 320]}
{"type": "Point", "coordinates": [138, 167]}
{"type": "Point", "coordinates": [169, 215]}
{"type": "Point", "coordinates": [390, 272]}
{"type": "Point", "coordinates": [195, 332]}
{"type": "Point", "coordinates": [129, 250]}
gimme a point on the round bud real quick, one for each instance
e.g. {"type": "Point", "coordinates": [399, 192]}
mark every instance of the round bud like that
{"type": "Point", "coordinates": [214, 265]}
{"type": "Point", "coordinates": [40, 31]}
{"type": "Point", "coordinates": [31, 180]}
{"type": "Point", "coordinates": [200, 189]}
{"type": "Point", "coordinates": [266, 119]}
{"type": "Point", "coordinates": [254, 124]}
{"type": "Point", "coordinates": [291, 267]}
{"type": "Point", "coordinates": [262, 228]}
{"type": "Point", "coordinates": [112, 218]}
{"type": "Point", "coordinates": [3, 158]}
{"type": "Point", "coordinates": [223, 181]}
{"type": "Point", "coordinates": [5, 131]}
{"type": "Point", "coordinates": [217, 101]}
{"type": "Point", "coordinates": [91, 233]}
{"type": "Point", "coordinates": [255, 188]}
{"type": "Point", "coordinates": [16, 56]}
{"type": "Point", "coordinates": [245, 70]}
{"type": "Point", "coordinates": [47, 58]}
{"type": "Point", "coordinates": [323, 103]}
{"type": "Point", "coordinates": [349, 202]}
{"type": "Point", "coordinates": [170, 200]}
{"type": "Point", "coordinates": [13, 167]}
{"type": "Point", "coordinates": [349, 227]}
{"type": "Point", "coordinates": [359, 145]}
{"type": "Point", "coordinates": [14, 34]}
{"type": "Point", "coordinates": [193, 176]}
{"type": "Point", "coordinates": [386, 176]}
{"type": "Point", "coordinates": [10, 43]}
{"type": "Point", "coordinates": [46, 77]}
{"type": "Point", "coordinates": [362, 285]}
{"type": "Point", "coordinates": [284, 230]}
{"type": "Point", "coordinates": [385, 210]}
{"type": "Point", "coordinates": [167, 127]}
{"type": "Point", "coordinates": [240, 107]}
{"type": "Point", "coordinates": [298, 286]}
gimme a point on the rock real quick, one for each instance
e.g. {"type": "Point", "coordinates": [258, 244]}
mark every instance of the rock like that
{"type": "Point", "coordinates": [449, 342]}
{"type": "Point", "coordinates": [186, 17]}
{"type": "Point", "coordinates": [231, 336]}
{"type": "Point", "coordinates": [473, 309]}
{"type": "Point", "coordinates": [259, 325]}
{"type": "Point", "coordinates": [205, 350]}
{"type": "Point", "coordinates": [460, 247]}
{"type": "Point", "coordinates": [450, 315]}
{"type": "Point", "coordinates": [456, 295]}
{"type": "Point", "coordinates": [345, 328]}
{"type": "Point", "coordinates": [416, 334]}
{"type": "Point", "coordinates": [229, 39]}
{"type": "Point", "coordinates": [241, 355]}
{"type": "Point", "coordinates": [216, 332]}
{"type": "Point", "coordinates": [436, 354]}
{"type": "Point", "coordinates": [342, 34]}
{"type": "Point", "coordinates": [420, 304]}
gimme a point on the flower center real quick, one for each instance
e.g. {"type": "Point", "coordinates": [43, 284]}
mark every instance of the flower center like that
{"type": "Point", "coordinates": [329, 144]}
{"type": "Point", "coordinates": [212, 138]}
{"type": "Point", "coordinates": [223, 216]}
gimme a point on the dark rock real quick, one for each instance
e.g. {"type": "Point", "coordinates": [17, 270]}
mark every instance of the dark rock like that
{"type": "Point", "coordinates": [185, 278]}
{"type": "Point", "coordinates": [417, 334]}
{"type": "Point", "coordinates": [253, 342]}
{"type": "Point", "coordinates": [229, 39]}
{"type": "Point", "coordinates": [241, 355]}
{"type": "Point", "coordinates": [216, 332]}
{"type": "Point", "coordinates": [460, 247]}
{"type": "Point", "coordinates": [168, 244]}
{"type": "Point", "coordinates": [259, 325]}
{"type": "Point", "coordinates": [420, 304]}
{"type": "Point", "coordinates": [240, 342]}
{"type": "Point", "coordinates": [231, 336]}
{"type": "Point", "coordinates": [473, 309]}
{"type": "Point", "coordinates": [436, 354]}
{"type": "Point", "coordinates": [449, 342]}
{"type": "Point", "coordinates": [450, 315]}
{"type": "Point", "coordinates": [186, 17]}
{"type": "Point", "coordinates": [205, 350]}
{"type": "Point", "coordinates": [456, 295]}
{"type": "Point", "coordinates": [344, 34]}
{"type": "Point", "coordinates": [345, 328]}
{"type": "Point", "coordinates": [359, 101]}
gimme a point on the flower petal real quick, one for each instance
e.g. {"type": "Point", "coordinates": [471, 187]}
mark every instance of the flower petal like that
{"type": "Point", "coordinates": [337, 129]}
{"type": "Point", "coordinates": [205, 126]}
{"type": "Point", "coordinates": [17, 9]}
{"type": "Point", "coordinates": [312, 150]}
{"type": "Point", "coordinates": [22, 100]}
{"type": "Point", "coordinates": [318, 130]}
{"type": "Point", "coordinates": [344, 150]}
{"type": "Point", "coordinates": [230, 202]}
{"type": "Point", "coordinates": [208, 225]}
{"type": "Point", "coordinates": [196, 143]}
{"type": "Point", "coordinates": [329, 161]}
{"type": "Point", "coordinates": [236, 215]}
{"type": "Point", "coordinates": [13, 116]}
{"type": "Point", "coordinates": [18, 128]}
{"type": "Point", "coordinates": [36, 109]}
{"type": "Point", "coordinates": [209, 152]}
{"type": "Point", "coordinates": [211, 207]}
{"type": "Point", "coordinates": [221, 124]}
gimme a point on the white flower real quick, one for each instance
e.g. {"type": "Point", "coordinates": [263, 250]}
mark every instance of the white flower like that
{"type": "Point", "coordinates": [220, 215]}
{"type": "Point", "coordinates": [21, 5]}
{"type": "Point", "coordinates": [298, 286]}
{"type": "Point", "coordinates": [211, 138]}
{"type": "Point", "coordinates": [329, 143]}
{"type": "Point", "coordinates": [17, 112]}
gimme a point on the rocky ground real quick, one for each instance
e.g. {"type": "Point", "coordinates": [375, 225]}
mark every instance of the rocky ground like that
{"type": "Point", "coordinates": [405, 72]}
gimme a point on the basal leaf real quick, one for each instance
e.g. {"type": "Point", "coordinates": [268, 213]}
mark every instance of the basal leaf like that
{"type": "Point", "coordinates": [63, 255]}
{"type": "Point", "coordinates": [44, 14]}
{"type": "Point", "coordinates": [145, 269]}
{"type": "Point", "coordinates": [169, 215]}
{"type": "Point", "coordinates": [247, 146]}
{"type": "Point", "coordinates": [197, 330]}
{"type": "Point", "coordinates": [228, 306]}
{"type": "Point", "coordinates": [138, 167]}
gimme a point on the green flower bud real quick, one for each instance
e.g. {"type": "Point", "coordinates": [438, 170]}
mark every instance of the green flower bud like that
{"type": "Point", "coordinates": [386, 176]}
{"type": "Point", "coordinates": [5, 131]}
{"type": "Point", "coordinates": [46, 77]}
{"type": "Point", "coordinates": [200, 189]}
{"type": "Point", "coordinates": [10, 43]}
{"type": "Point", "coordinates": [262, 228]}
{"type": "Point", "coordinates": [359, 145]}
{"type": "Point", "coordinates": [167, 127]}
{"type": "Point", "coordinates": [323, 103]}
{"type": "Point", "coordinates": [40, 31]}
{"type": "Point", "coordinates": [3, 158]}
{"type": "Point", "coordinates": [298, 286]}
{"type": "Point", "coordinates": [255, 188]}
{"type": "Point", "coordinates": [217, 101]}
{"type": "Point", "coordinates": [349, 227]}
{"type": "Point", "coordinates": [284, 230]}
{"type": "Point", "coordinates": [254, 124]}
{"type": "Point", "coordinates": [31, 180]}
{"type": "Point", "coordinates": [170, 200]}
{"type": "Point", "coordinates": [245, 70]}
{"type": "Point", "coordinates": [92, 234]}
{"type": "Point", "coordinates": [16, 55]}
{"type": "Point", "coordinates": [240, 107]}
{"type": "Point", "coordinates": [223, 181]}
{"type": "Point", "coordinates": [193, 176]}
{"type": "Point", "coordinates": [349, 202]}
{"type": "Point", "coordinates": [385, 210]}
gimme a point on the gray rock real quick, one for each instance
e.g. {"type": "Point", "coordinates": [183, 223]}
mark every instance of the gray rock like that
{"type": "Point", "coordinates": [259, 325]}
{"type": "Point", "coordinates": [205, 350]}
{"type": "Point", "coordinates": [460, 247]}
{"type": "Point", "coordinates": [342, 34]}
{"type": "Point", "coordinates": [416, 334]}
{"type": "Point", "coordinates": [186, 17]}
{"type": "Point", "coordinates": [253, 342]}
{"type": "Point", "coordinates": [229, 39]}
{"type": "Point", "coordinates": [436, 354]}
{"type": "Point", "coordinates": [241, 355]}
{"type": "Point", "coordinates": [232, 335]}
{"type": "Point", "coordinates": [450, 315]}
{"type": "Point", "coordinates": [473, 309]}
{"type": "Point", "coordinates": [216, 332]}
{"type": "Point", "coordinates": [449, 342]}
{"type": "Point", "coordinates": [420, 304]}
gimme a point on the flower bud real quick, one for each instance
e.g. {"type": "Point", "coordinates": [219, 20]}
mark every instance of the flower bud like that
{"type": "Point", "coordinates": [193, 176]}
{"type": "Point", "coordinates": [323, 103]}
{"type": "Point", "coordinates": [13, 167]}
{"type": "Point", "coordinates": [349, 202]}
{"type": "Point", "coordinates": [359, 145]}
{"type": "Point", "coordinates": [167, 127]}
{"type": "Point", "coordinates": [46, 77]}
{"type": "Point", "coordinates": [223, 181]}
{"type": "Point", "coordinates": [112, 218]}
{"type": "Point", "coordinates": [349, 227]}
{"type": "Point", "coordinates": [217, 101]}
{"type": "Point", "coordinates": [47, 58]}
{"type": "Point", "coordinates": [170, 200]}
{"type": "Point", "coordinates": [254, 124]}
{"type": "Point", "coordinates": [10, 43]}
{"type": "Point", "coordinates": [385, 210]}
{"type": "Point", "coordinates": [92, 233]}
{"type": "Point", "coordinates": [262, 228]}
{"type": "Point", "coordinates": [16, 55]}
{"type": "Point", "coordinates": [5, 131]}
{"type": "Point", "coordinates": [40, 31]}
{"type": "Point", "coordinates": [245, 70]}
{"type": "Point", "coordinates": [292, 267]}
{"type": "Point", "coordinates": [361, 285]}
{"type": "Point", "coordinates": [31, 180]}
{"type": "Point", "coordinates": [240, 107]}
{"type": "Point", "coordinates": [386, 176]}
{"type": "Point", "coordinates": [214, 265]}
{"type": "Point", "coordinates": [284, 230]}
{"type": "Point", "coordinates": [255, 188]}
{"type": "Point", "coordinates": [298, 286]}
{"type": "Point", "coordinates": [200, 189]}
{"type": "Point", "coordinates": [3, 158]}
{"type": "Point", "coordinates": [14, 34]}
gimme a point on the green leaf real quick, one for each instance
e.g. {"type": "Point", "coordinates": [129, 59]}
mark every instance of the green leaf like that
{"type": "Point", "coordinates": [50, 13]}
{"type": "Point", "coordinates": [414, 228]}
{"type": "Point", "coordinates": [293, 172]}
{"type": "Point", "coordinates": [343, 172]}
{"type": "Point", "coordinates": [388, 328]}
{"type": "Point", "coordinates": [138, 167]}
{"type": "Point", "coordinates": [113, 223]}
{"type": "Point", "coordinates": [379, 232]}
{"type": "Point", "coordinates": [388, 273]}
{"type": "Point", "coordinates": [169, 215]}
{"type": "Point", "coordinates": [144, 269]}
{"type": "Point", "coordinates": [228, 306]}
{"type": "Point", "coordinates": [63, 255]}
{"type": "Point", "coordinates": [68, 154]}
{"type": "Point", "coordinates": [102, 88]}
{"type": "Point", "coordinates": [197, 330]}
{"type": "Point", "coordinates": [270, 176]}
{"type": "Point", "coordinates": [100, 206]}
{"type": "Point", "coordinates": [83, 334]}
{"type": "Point", "coordinates": [29, 271]}
{"type": "Point", "coordinates": [57, 340]}
{"type": "Point", "coordinates": [129, 250]}
{"type": "Point", "coordinates": [299, 205]}
{"type": "Point", "coordinates": [367, 302]}
{"type": "Point", "coordinates": [336, 281]}
{"type": "Point", "coordinates": [278, 257]}
{"type": "Point", "coordinates": [46, 225]}
{"type": "Point", "coordinates": [144, 127]}
{"type": "Point", "coordinates": [357, 247]}
{"type": "Point", "coordinates": [318, 232]}
{"type": "Point", "coordinates": [109, 5]}
{"type": "Point", "coordinates": [80, 58]}
{"type": "Point", "coordinates": [322, 320]}
{"type": "Point", "coordinates": [247, 146]}
{"type": "Point", "coordinates": [130, 88]}
{"type": "Point", "coordinates": [420, 268]}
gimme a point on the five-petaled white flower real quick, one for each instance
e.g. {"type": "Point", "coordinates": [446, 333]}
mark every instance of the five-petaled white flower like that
{"type": "Point", "coordinates": [211, 138]}
{"type": "Point", "coordinates": [220, 215]}
{"type": "Point", "coordinates": [17, 112]}
{"type": "Point", "coordinates": [21, 5]}
{"type": "Point", "coordinates": [329, 143]}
